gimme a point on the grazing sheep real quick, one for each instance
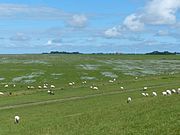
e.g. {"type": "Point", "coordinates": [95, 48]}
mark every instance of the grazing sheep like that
{"type": "Point", "coordinates": [70, 84]}
{"type": "Point", "coordinates": [164, 93]}
{"type": "Point", "coordinates": [14, 85]}
{"type": "Point", "coordinates": [178, 91]}
{"type": "Point", "coordinates": [145, 88]}
{"type": "Point", "coordinates": [95, 88]}
{"type": "Point", "coordinates": [173, 91]}
{"type": "Point", "coordinates": [154, 94]}
{"type": "Point", "coordinates": [168, 92]}
{"type": "Point", "coordinates": [50, 92]}
{"type": "Point", "coordinates": [28, 87]}
{"type": "Point", "coordinates": [122, 88]}
{"type": "Point", "coordinates": [114, 79]}
{"type": "Point", "coordinates": [6, 86]}
{"type": "Point", "coordinates": [1, 93]}
{"type": "Point", "coordinates": [147, 94]}
{"type": "Point", "coordinates": [84, 82]}
{"type": "Point", "coordinates": [32, 87]}
{"type": "Point", "coordinates": [16, 119]}
{"type": "Point", "coordinates": [143, 94]}
{"type": "Point", "coordinates": [45, 87]}
{"type": "Point", "coordinates": [39, 87]}
{"type": "Point", "coordinates": [129, 99]}
{"type": "Point", "coordinates": [52, 86]}
{"type": "Point", "coordinates": [111, 81]}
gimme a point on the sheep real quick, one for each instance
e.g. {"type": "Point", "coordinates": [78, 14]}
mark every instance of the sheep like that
{"type": "Point", "coordinates": [114, 79]}
{"type": "Point", "coordinates": [1, 93]}
{"type": "Point", "coordinates": [168, 92]}
{"type": "Point", "coordinates": [154, 94]}
{"type": "Point", "coordinates": [39, 87]}
{"type": "Point", "coordinates": [178, 91]}
{"type": "Point", "coordinates": [32, 87]}
{"type": "Point", "coordinates": [16, 119]}
{"type": "Point", "coordinates": [173, 91]}
{"type": "Point", "coordinates": [95, 88]}
{"type": "Point", "coordinates": [147, 94]}
{"type": "Point", "coordinates": [129, 99]}
{"type": "Point", "coordinates": [111, 81]}
{"type": "Point", "coordinates": [122, 88]}
{"type": "Point", "coordinates": [164, 93]}
{"type": "Point", "coordinates": [6, 86]}
{"type": "Point", "coordinates": [143, 94]}
{"type": "Point", "coordinates": [145, 88]}
{"type": "Point", "coordinates": [28, 87]}
{"type": "Point", "coordinates": [52, 86]}
{"type": "Point", "coordinates": [91, 87]}
{"type": "Point", "coordinates": [70, 84]}
{"type": "Point", "coordinates": [14, 85]}
{"type": "Point", "coordinates": [45, 87]}
{"type": "Point", "coordinates": [84, 82]}
{"type": "Point", "coordinates": [50, 92]}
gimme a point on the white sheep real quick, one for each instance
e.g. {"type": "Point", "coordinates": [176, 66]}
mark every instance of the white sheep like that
{"type": "Point", "coordinates": [178, 91]}
{"type": "Point", "coordinates": [122, 88]}
{"type": "Point", "coordinates": [114, 79]}
{"type": "Point", "coordinates": [16, 119]}
{"type": "Point", "coordinates": [154, 94]}
{"type": "Point", "coordinates": [84, 82]}
{"type": "Point", "coordinates": [143, 94]}
{"type": "Point", "coordinates": [168, 92]}
{"type": "Point", "coordinates": [147, 94]}
{"type": "Point", "coordinates": [95, 88]}
{"type": "Point", "coordinates": [129, 99]}
{"type": "Point", "coordinates": [52, 86]}
{"type": "Point", "coordinates": [6, 86]}
{"type": "Point", "coordinates": [111, 81]}
{"type": "Point", "coordinates": [45, 87]}
{"type": "Point", "coordinates": [39, 87]}
{"type": "Point", "coordinates": [14, 85]}
{"type": "Point", "coordinates": [164, 93]}
{"type": "Point", "coordinates": [173, 91]}
{"type": "Point", "coordinates": [1, 93]}
{"type": "Point", "coordinates": [32, 87]}
{"type": "Point", "coordinates": [145, 88]}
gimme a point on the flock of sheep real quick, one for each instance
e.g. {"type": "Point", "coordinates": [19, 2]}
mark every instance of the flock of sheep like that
{"type": "Point", "coordinates": [164, 93]}
{"type": "Point", "coordinates": [50, 91]}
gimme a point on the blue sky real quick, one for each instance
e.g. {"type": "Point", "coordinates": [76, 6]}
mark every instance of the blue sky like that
{"type": "Point", "coordinates": [87, 26]}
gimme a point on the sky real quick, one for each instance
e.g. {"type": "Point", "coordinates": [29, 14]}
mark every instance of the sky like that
{"type": "Point", "coordinates": [89, 26]}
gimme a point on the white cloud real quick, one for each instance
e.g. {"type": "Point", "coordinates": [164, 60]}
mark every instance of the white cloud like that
{"type": "Point", "coordinates": [161, 11]}
{"type": "Point", "coordinates": [155, 12]}
{"type": "Point", "coordinates": [78, 20]}
{"type": "Point", "coordinates": [54, 42]}
{"type": "Point", "coordinates": [112, 32]}
{"type": "Point", "coordinates": [133, 22]}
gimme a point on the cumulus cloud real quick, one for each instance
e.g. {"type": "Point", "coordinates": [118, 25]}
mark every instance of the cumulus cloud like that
{"type": "Point", "coordinates": [112, 32]}
{"type": "Point", "coordinates": [78, 20]}
{"type": "Point", "coordinates": [155, 12]}
{"type": "Point", "coordinates": [133, 22]}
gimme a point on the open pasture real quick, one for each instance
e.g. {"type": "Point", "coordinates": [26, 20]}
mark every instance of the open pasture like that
{"type": "Point", "coordinates": [79, 109]}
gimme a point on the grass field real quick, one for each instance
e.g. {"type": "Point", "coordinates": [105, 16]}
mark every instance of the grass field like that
{"type": "Point", "coordinates": [79, 110]}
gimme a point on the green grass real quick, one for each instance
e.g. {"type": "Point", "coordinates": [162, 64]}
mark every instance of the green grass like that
{"type": "Point", "coordinates": [79, 110]}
